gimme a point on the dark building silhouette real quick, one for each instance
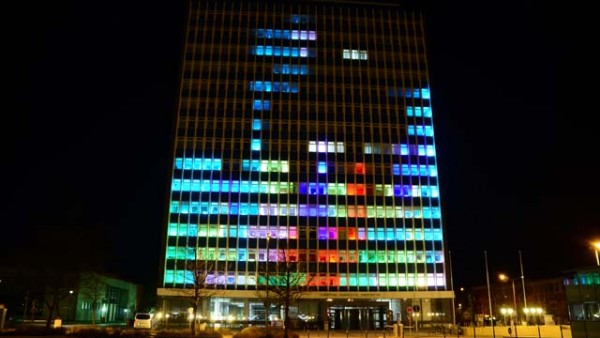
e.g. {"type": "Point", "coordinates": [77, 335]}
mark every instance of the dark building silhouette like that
{"type": "Point", "coordinates": [304, 137]}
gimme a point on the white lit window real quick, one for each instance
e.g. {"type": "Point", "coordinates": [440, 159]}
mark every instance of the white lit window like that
{"type": "Point", "coordinates": [354, 54]}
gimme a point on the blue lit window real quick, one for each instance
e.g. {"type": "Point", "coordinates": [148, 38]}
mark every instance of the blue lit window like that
{"type": "Point", "coordinates": [418, 111]}
{"type": "Point", "coordinates": [290, 69]}
{"type": "Point", "coordinates": [420, 130]}
{"type": "Point", "coordinates": [322, 167]}
{"type": "Point", "coordinates": [283, 51]}
{"type": "Point", "coordinates": [198, 163]}
{"type": "Point", "coordinates": [262, 105]}
{"type": "Point", "coordinates": [410, 93]}
{"type": "Point", "coordinates": [255, 146]}
{"type": "Point", "coordinates": [256, 124]}
{"type": "Point", "coordinates": [286, 34]}
{"type": "Point", "coordinates": [267, 86]}
{"type": "Point", "coordinates": [300, 19]}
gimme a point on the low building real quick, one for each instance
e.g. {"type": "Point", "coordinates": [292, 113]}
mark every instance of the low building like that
{"type": "Point", "coordinates": [583, 298]}
{"type": "Point", "coordinates": [100, 299]}
{"type": "Point", "coordinates": [544, 299]}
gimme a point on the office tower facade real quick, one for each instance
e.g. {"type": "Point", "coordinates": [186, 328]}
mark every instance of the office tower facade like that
{"type": "Point", "coordinates": [304, 140]}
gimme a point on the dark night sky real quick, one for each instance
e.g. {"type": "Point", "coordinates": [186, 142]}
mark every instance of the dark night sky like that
{"type": "Point", "coordinates": [91, 100]}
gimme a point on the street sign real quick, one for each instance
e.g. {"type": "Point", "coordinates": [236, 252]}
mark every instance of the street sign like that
{"type": "Point", "coordinates": [409, 310]}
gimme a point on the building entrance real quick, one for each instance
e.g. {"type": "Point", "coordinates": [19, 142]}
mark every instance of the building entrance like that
{"type": "Point", "coordinates": [367, 317]}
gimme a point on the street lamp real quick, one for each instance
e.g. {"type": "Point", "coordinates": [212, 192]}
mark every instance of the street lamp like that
{"type": "Point", "coordinates": [505, 278]}
{"type": "Point", "coordinates": [537, 312]}
{"type": "Point", "coordinates": [506, 311]}
{"type": "Point", "coordinates": [596, 246]}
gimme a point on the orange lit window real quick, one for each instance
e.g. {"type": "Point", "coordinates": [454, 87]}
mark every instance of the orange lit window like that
{"type": "Point", "coordinates": [361, 211]}
{"type": "Point", "coordinates": [351, 211]}
{"type": "Point", "coordinates": [292, 255]}
{"type": "Point", "coordinates": [359, 168]}
{"type": "Point", "coordinates": [351, 189]}
{"type": "Point", "coordinates": [351, 233]}
{"type": "Point", "coordinates": [360, 189]}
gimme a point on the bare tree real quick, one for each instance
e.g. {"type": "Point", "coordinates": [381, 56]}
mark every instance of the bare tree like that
{"type": "Point", "coordinates": [201, 275]}
{"type": "Point", "coordinates": [284, 286]}
{"type": "Point", "coordinates": [58, 285]}
{"type": "Point", "coordinates": [93, 288]}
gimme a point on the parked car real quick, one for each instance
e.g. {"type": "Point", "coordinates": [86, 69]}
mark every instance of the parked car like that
{"type": "Point", "coordinates": [142, 320]}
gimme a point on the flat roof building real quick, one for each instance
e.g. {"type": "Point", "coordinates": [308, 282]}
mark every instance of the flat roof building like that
{"type": "Point", "coordinates": [304, 145]}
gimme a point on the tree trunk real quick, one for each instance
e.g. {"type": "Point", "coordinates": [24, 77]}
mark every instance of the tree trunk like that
{"type": "Point", "coordinates": [195, 314]}
{"type": "Point", "coordinates": [94, 309]}
{"type": "Point", "coordinates": [286, 311]}
{"type": "Point", "coordinates": [51, 307]}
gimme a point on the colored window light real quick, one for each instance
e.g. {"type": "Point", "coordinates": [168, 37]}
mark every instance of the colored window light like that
{"type": "Point", "coordinates": [300, 19]}
{"type": "Point", "coordinates": [233, 186]}
{"type": "Point", "coordinates": [255, 145]}
{"type": "Point", "coordinates": [268, 86]}
{"type": "Point", "coordinates": [198, 163]}
{"type": "Point", "coordinates": [399, 149]}
{"type": "Point", "coordinates": [417, 93]}
{"type": "Point", "coordinates": [290, 69]}
{"type": "Point", "coordinates": [283, 51]}
{"type": "Point", "coordinates": [266, 166]}
{"type": "Point", "coordinates": [359, 168]}
{"type": "Point", "coordinates": [256, 124]}
{"type": "Point", "coordinates": [420, 130]}
{"type": "Point", "coordinates": [414, 170]}
{"type": "Point", "coordinates": [418, 111]}
{"type": "Point", "coordinates": [266, 209]}
{"type": "Point", "coordinates": [286, 34]}
{"type": "Point", "coordinates": [322, 167]}
{"type": "Point", "coordinates": [261, 105]}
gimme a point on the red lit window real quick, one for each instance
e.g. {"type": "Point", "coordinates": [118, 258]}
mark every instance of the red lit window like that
{"type": "Point", "coordinates": [360, 189]}
{"type": "Point", "coordinates": [322, 256]}
{"type": "Point", "coordinates": [359, 168]}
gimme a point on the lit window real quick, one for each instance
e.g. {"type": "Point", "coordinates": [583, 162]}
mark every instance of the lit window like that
{"type": "Point", "coordinates": [322, 168]}
{"type": "Point", "coordinates": [262, 105]}
{"type": "Point", "coordinates": [256, 124]}
{"type": "Point", "coordinates": [290, 69]}
{"type": "Point", "coordinates": [359, 168]}
{"type": "Point", "coordinates": [425, 93]}
{"type": "Point", "coordinates": [267, 86]}
{"type": "Point", "coordinates": [283, 51]}
{"type": "Point", "coordinates": [255, 145]}
{"type": "Point", "coordinates": [420, 130]}
{"type": "Point", "coordinates": [354, 54]}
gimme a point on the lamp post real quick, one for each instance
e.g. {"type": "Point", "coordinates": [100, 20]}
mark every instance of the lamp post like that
{"type": "Point", "coordinates": [537, 312]}
{"type": "Point", "coordinates": [504, 278]}
{"type": "Point", "coordinates": [596, 246]}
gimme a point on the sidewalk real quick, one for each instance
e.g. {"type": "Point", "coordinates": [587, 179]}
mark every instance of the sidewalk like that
{"type": "Point", "coordinates": [372, 334]}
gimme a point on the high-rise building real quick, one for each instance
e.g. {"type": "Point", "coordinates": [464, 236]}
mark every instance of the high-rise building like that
{"type": "Point", "coordinates": [304, 139]}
